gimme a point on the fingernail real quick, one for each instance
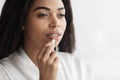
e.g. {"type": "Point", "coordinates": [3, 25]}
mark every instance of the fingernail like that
{"type": "Point", "coordinates": [53, 43]}
{"type": "Point", "coordinates": [53, 40]}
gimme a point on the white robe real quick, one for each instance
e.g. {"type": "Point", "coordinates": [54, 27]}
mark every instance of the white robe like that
{"type": "Point", "coordinates": [19, 66]}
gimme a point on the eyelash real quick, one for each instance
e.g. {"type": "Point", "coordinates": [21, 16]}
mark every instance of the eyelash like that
{"type": "Point", "coordinates": [61, 15]}
{"type": "Point", "coordinates": [42, 15]}
{"type": "Point", "coordinates": [45, 15]}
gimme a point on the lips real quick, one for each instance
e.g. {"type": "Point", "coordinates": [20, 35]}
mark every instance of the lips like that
{"type": "Point", "coordinates": [54, 35]}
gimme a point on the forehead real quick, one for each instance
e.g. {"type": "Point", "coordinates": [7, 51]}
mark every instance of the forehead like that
{"type": "Point", "coordinates": [52, 4]}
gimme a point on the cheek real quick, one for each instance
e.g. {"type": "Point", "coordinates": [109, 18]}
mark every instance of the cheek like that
{"type": "Point", "coordinates": [34, 31]}
{"type": "Point", "coordinates": [35, 26]}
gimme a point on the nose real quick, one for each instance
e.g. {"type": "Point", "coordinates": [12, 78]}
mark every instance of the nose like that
{"type": "Point", "coordinates": [54, 22]}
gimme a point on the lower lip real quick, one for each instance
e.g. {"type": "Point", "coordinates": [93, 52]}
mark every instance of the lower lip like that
{"type": "Point", "coordinates": [55, 38]}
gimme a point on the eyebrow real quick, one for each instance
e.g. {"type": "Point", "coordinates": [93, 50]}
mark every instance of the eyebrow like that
{"type": "Point", "coordinates": [46, 8]}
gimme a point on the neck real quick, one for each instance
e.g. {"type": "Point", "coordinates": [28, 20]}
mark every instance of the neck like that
{"type": "Point", "coordinates": [32, 52]}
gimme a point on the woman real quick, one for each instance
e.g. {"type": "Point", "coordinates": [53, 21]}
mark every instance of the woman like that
{"type": "Point", "coordinates": [36, 39]}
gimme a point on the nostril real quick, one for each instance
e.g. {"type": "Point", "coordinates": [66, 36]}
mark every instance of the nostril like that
{"type": "Point", "coordinates": [53, 25]}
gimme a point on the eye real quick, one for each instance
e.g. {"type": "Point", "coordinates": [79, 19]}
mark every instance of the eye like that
{"type": "Point", "coordinates": [42, 15]}
{"type": "Point", "coordinates": [61, 15]}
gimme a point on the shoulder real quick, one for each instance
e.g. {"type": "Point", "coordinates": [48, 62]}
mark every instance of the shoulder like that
{"type": "Point", "coordinates": [9, 60]}
{"type": "Point", "coordinates": [77, 65]}
{"type": "Point", "coordinates": [70, 60]}
{"type": "Point", "coordinates": [3, 73]}
{"type": "Point", "coordinates": [68, 57]}
{"type": "Point", "coordinates": [72, 57]}
{"type": "Point", "coordinates": [7, 65]}
{"type": "Point", "coordinates": [65, 55]}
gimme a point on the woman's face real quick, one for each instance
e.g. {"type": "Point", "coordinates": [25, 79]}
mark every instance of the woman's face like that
{"type": "Point", "coordinates": [45, 21]}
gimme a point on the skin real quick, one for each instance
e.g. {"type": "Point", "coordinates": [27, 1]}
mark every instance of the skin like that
{"type": "Point", "coordinates": [44, 18]}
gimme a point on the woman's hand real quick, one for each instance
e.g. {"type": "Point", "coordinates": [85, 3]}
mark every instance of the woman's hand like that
{"type": "Point", "coordinates": [47, 60]}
